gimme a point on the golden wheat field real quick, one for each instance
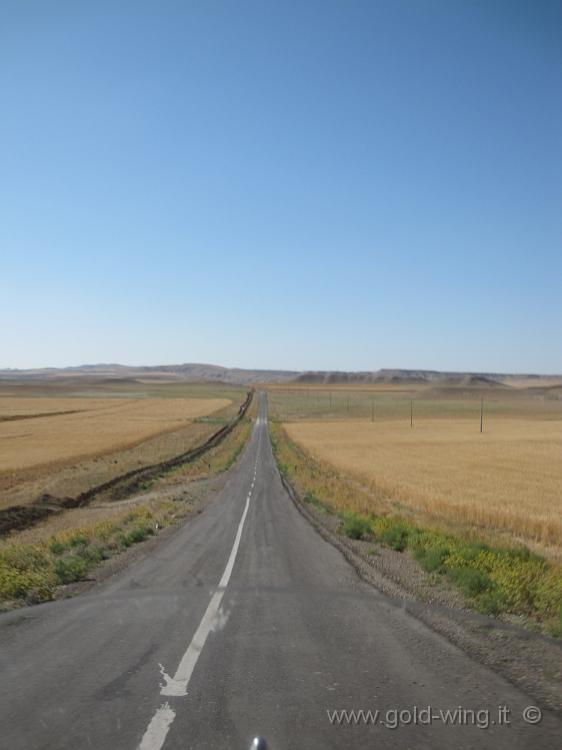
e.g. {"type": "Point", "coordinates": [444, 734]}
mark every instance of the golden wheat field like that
{"type": "Point", "coordinates": [40, 431]}
{"type": "Point", "coordinates": [508, 478]}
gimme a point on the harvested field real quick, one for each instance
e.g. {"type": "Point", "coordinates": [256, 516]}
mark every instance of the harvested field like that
{"type": "Point", "coordinates": [394, 402]}
{"type": "Point", "coordinates": [60, 439]}
{"type": "Point", "coordinates": [508, 478]}
{"type": "Point", "coordinates": [96, 426]}
{"type": "Point", "coordinates": [170, 485]}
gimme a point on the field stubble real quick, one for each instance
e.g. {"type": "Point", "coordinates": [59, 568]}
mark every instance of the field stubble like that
{"type": "Point", "coordinates": [108, 433]}
{"type": "Point", "coordinates": [93, 426]}
{"type": "Point", "coordinates": [509, 478]}
{"type": "Point", "coordinates": [506, 480]}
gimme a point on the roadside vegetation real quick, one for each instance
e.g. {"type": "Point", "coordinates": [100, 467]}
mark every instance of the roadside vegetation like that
{"type": "Point", "coordinates": [221, 457]}
{"type": "Point", "coordinates": [496, 580]}
{"type": "Point", "coordinates": [213, 461]}
{"type": "Point", "coordinates": [33, 571]}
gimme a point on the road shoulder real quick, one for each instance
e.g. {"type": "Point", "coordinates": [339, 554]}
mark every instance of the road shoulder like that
{"type": "Point", "coordinates": [530, 661]}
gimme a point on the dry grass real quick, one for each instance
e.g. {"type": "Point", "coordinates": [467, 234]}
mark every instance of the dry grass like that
{"type": "Point", "coordinates": [65, 547]}
{"type": "Point", "coordinates": [168, 486]}
{"type": "Point", "coordinates": [100, 426]}
{"type": "Point", "coordinates": [509, 478]}
{"type": "Point", "coordinates": [31, 572]}
{"type": "Point", "coordinates": [17, 408]}
{"type": "Point", "coordinates": [73, 519]}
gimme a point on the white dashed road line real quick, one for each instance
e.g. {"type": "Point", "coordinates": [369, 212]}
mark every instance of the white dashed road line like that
{"type": "Point", "coordinates": [176, 686]}
{"type": "Point", "coordinates": [155, 735]}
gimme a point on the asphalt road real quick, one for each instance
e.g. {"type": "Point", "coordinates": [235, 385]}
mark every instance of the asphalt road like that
{"type": "Point", "coordinates": [243, 622]}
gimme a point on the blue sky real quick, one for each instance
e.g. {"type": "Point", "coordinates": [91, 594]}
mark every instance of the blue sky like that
{"type": "Point", "coordinates": [323, 185]}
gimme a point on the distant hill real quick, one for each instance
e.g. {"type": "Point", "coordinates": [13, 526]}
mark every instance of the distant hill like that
{"type": "Point", "coordinates": [399, 377]}
{"type": "Point", "coordinates": [125, 373]}
{"type": "Point", "coordinates": [193, 372]}
{"type": "Point", "coordinates": [429, 377]}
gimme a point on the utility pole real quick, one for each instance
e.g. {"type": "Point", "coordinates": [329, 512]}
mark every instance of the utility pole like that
{"type": "Point", "coordinates": [481, 412]}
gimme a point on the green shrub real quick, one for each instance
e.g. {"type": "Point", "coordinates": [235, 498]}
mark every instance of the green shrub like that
{"type": "Point", "coordinates": [432, 558]}
{"type": "Point", "coordinates": [394, 536]}
{"type": "Point", "coordinates": [32, 585]}
{"type": "Point", "coordinates": [491, 602]}
{"type": "Point", "coordinates": [122, 541]}
{"type": "Point", "coordinates": [471, 582]}
{"type": "Point", "coordinates": [24, 557]}
{"type": "Point", "coordinates": [13, 583]}
{"type": "Point", "coordinates": [139, 534]}
{"type": "Point", "coordinates": [71, 568]}
{"type": "Point", "coordinates": [77, 539]}
{"type": "Point", "coordinates": [25, 573]}
{"type": "Point", "coordinates": [356, 527]}
{"type": "Point", "coordinates": [92, 554]}
{"type": "Point", "coordinates": [547, 594]}
{"type": "Point", "coordinates": [56, 546]}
